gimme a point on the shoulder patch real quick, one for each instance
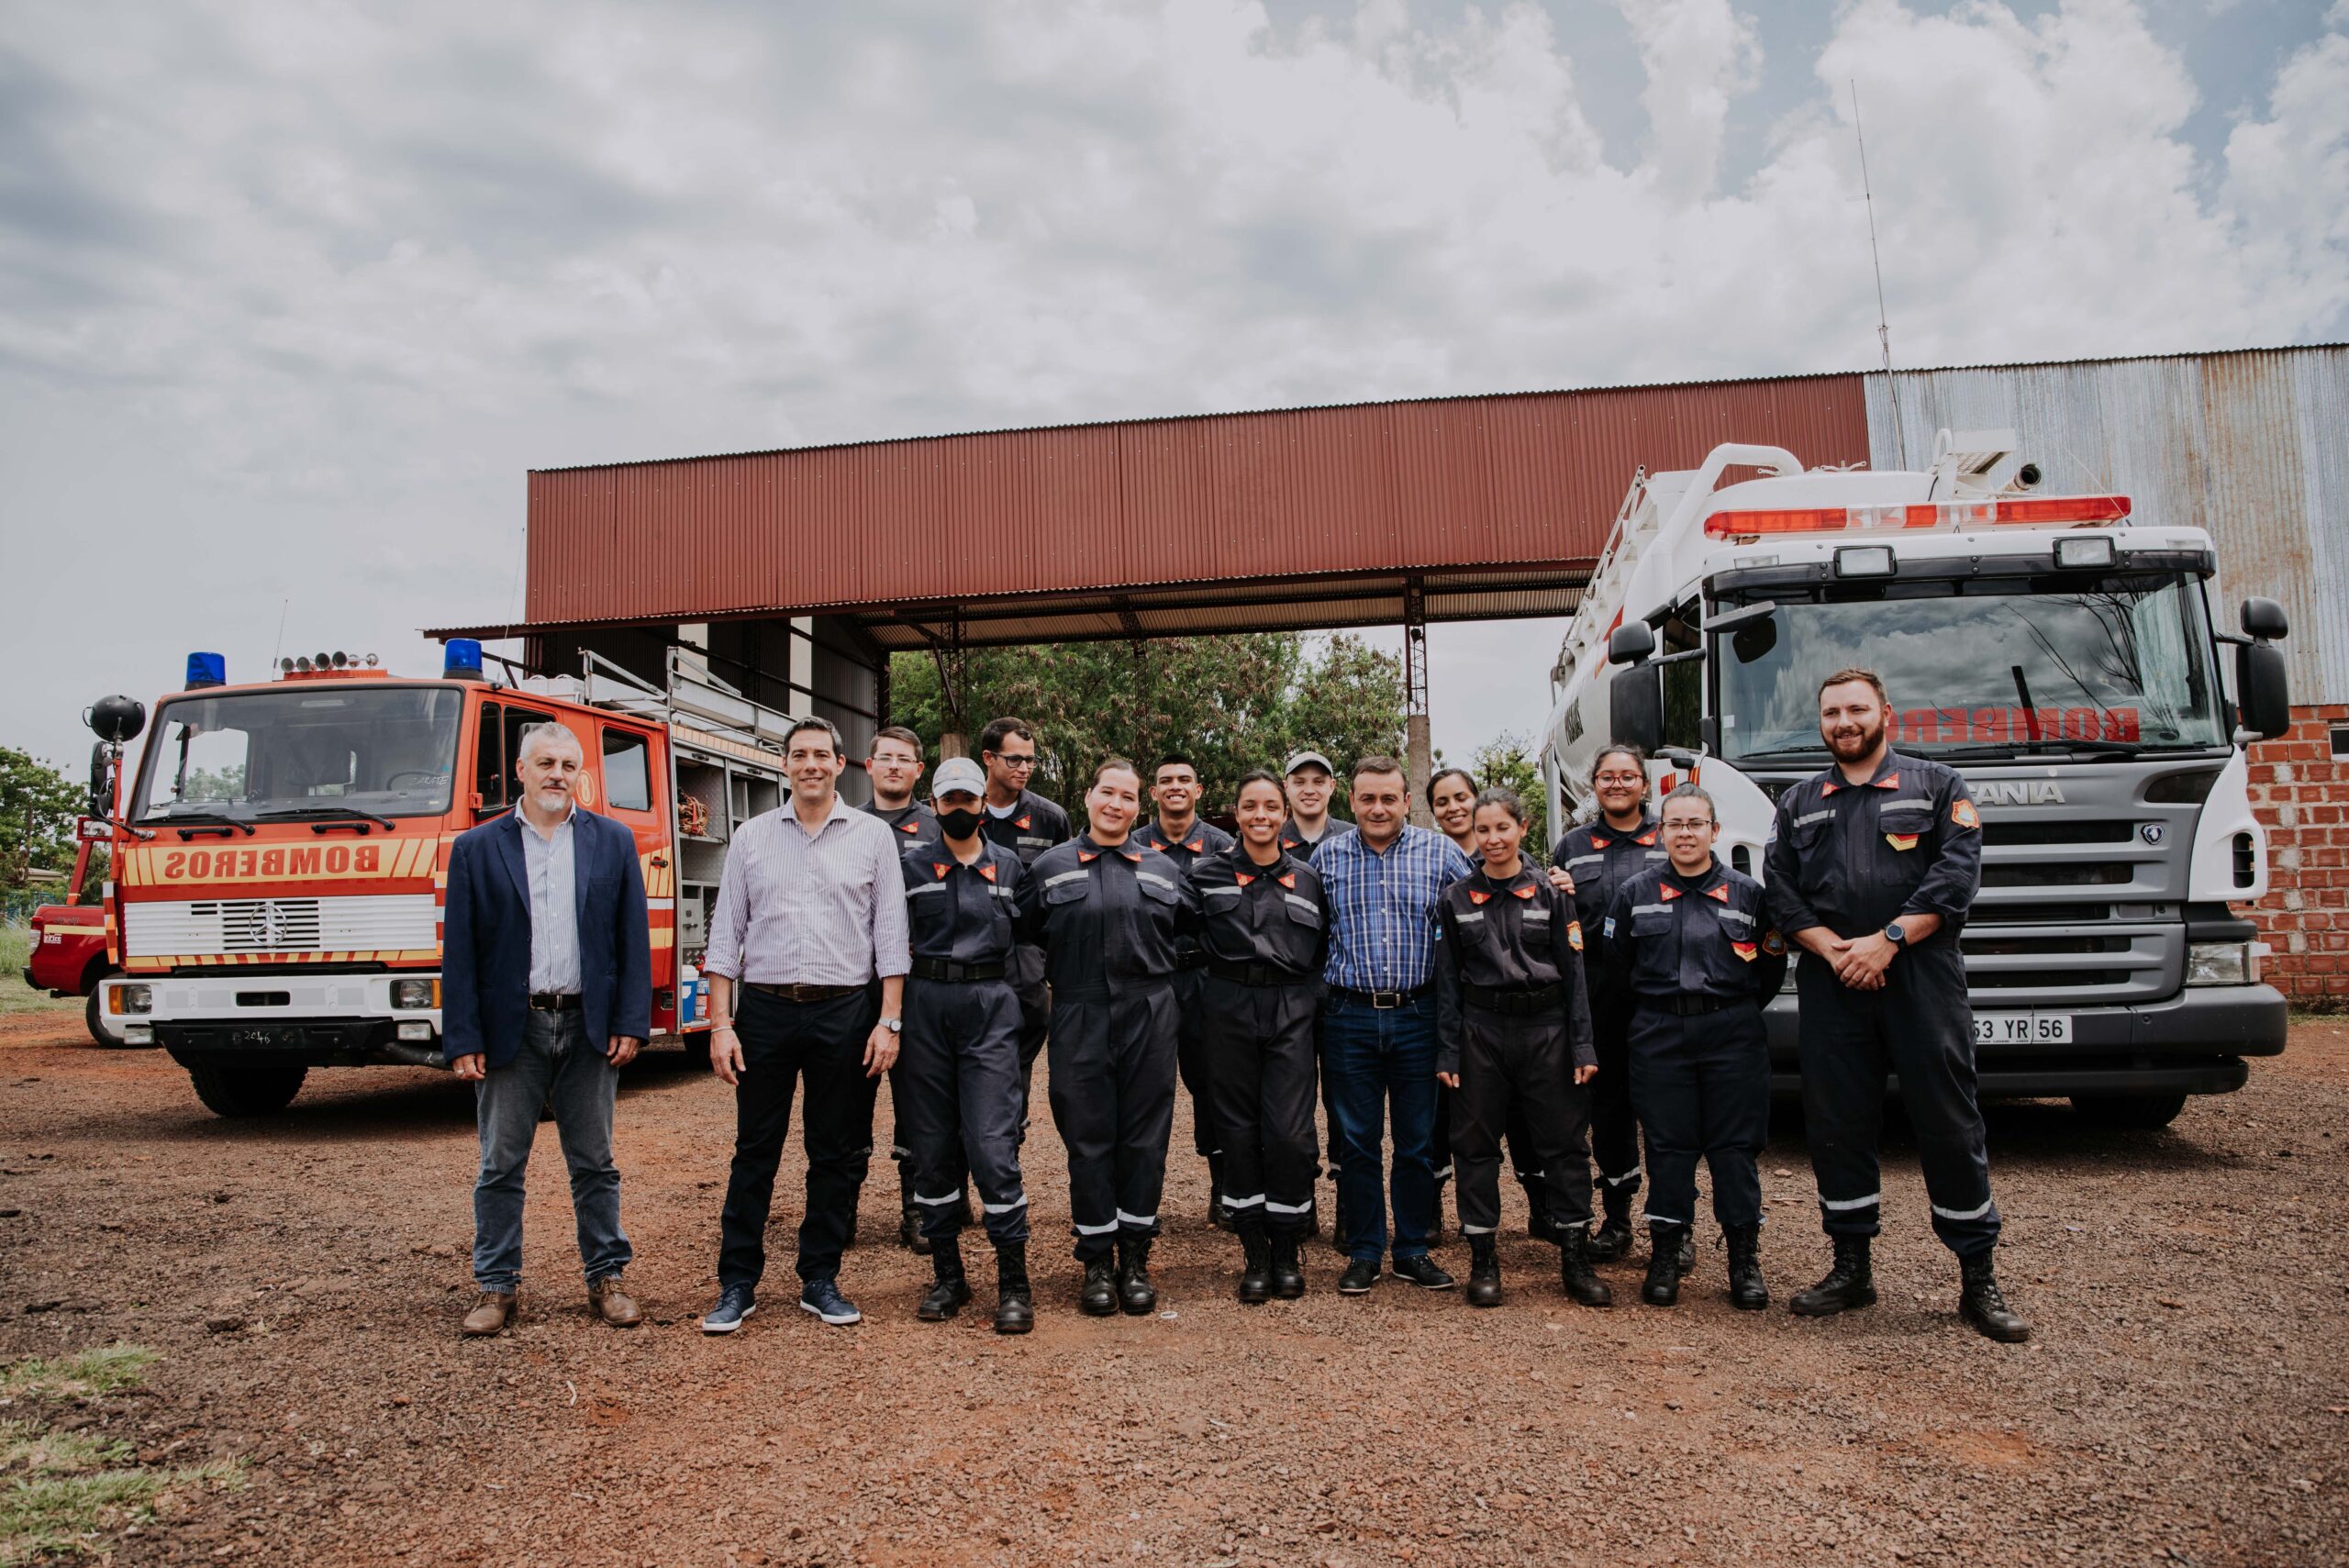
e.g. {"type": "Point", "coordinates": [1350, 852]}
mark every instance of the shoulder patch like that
{"type": "Point", "coordinates": [1574, 935]}
{"type": "Point", "coordinates": [1962, 812]}
{"type": "Point", "coordinates": [1773, 943]}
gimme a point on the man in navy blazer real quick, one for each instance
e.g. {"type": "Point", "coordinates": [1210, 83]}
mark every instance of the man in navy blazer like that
{"type": "Point", "coordinates": [545, 949]}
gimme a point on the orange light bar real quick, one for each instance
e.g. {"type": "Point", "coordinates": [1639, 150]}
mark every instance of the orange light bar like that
{"type": "Point", "coordinates": [1946, 514]}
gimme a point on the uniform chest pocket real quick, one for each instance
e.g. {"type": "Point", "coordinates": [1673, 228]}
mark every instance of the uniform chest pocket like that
{"type": "Point", "coordinates": [1156, 888]}
{"type": "Point", "coordinates": [1651, 919]}
{"type": "Point", "coordinates": [1301, 910]}
{"type": "Point", "coordinates": [928, 902]}
{"type": "Point", "coordinates": [1811, 826]}
{"type": "Point", "coordinates": [1904, 827]}
{"type": "Point", "coordinates": [1069, 887]}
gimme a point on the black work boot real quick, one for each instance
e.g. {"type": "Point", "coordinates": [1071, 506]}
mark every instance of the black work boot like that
{"type": "Point", "coordinates": [909, 1234]}
{"type": "Point", "coordinates": [1135, 1292]}
{"type": "Point", "coordinates": [1288, 1274]}
{"type": "Point", "coordinates": [1256, 1273]}
{"type": "Point", "coordinates": [1483, 1273]}
{"type": "Point", "coordinates": [1538, 1223]}
{"type": "Point", "coordinates": [1098, 1296]}
{"type": "Point", "coordinates": [1574, 1269]}
{"type": "Point", "coordinates": [950, 1290]}
{"type": "Point", "coordinates": [1686, 1260]}
{"type": "Point", "coordinates": [1746, 1290]}
{"type": "Point", "coordinates": [1850, 1284]}
{"type": "Point", "coordinates": [1982, 1303]}
{"type": "Point", "coordinates": [1612, 1239]}
{"type": "Point", "coordinates": [1217, 1216]}
{"type": "Point", "coordinates": [1662, 1287]}
{"type": "Point", "coordinates": [1015, 1299]}
{"type": "Point", "coordinates": [1341, 1233]}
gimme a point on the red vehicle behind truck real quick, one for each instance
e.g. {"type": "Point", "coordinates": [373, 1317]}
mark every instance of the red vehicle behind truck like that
{"type": "Point", "coordinates": [282, 852]}
{"type": "Point", "coordinates": [69, 959]}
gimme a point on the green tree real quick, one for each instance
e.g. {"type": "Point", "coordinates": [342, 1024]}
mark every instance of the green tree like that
{"type": "Point", "coordinates": [1509, 760]}
{"type": "Point", "coordinates": [39, 804]}
{"type": "Point", "coordinates": [1230, 703]}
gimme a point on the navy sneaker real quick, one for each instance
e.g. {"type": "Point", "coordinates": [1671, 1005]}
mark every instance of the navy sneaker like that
{"type": "Point", "coordinates": [823, 1297]}
{"type": "Point", "coordinates": [735, 1303]}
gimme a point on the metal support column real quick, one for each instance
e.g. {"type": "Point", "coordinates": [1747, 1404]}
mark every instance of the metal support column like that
{"type": "Point", "coordinates": [1418, 756]}
{"type": "Point", "coordinates": [953, 690]}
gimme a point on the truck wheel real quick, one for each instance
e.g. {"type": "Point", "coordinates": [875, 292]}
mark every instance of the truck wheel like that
{"type": "Point", "coordinates": [2129, 1113]}
{"type": "Point", "coordinates": [242, 1089]}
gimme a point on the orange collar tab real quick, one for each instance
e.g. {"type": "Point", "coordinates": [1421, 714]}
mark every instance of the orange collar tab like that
{"type": "Point", "coordinates": [1289, 880]}
{"type": "Point", "coordinates": [1527, 891]}
{"type": "Point", "coordinates": [1087, 857]}
{"type": "Point", "coordinates": [941, 867]}
{"type": "Point", "coordinates": [986, 869]}
{"type": "Point", "coordinates": [1670, 892]}
{"type": "Point", "coordinates": [1477, 897]}
{"type": "Point", "coordinates": [1242, 878]}
{"type": "Point", "coordinates": [1718, 895]}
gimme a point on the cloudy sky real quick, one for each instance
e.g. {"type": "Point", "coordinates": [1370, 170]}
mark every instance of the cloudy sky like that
{"type": "Point", "coordinates": [291, 297]}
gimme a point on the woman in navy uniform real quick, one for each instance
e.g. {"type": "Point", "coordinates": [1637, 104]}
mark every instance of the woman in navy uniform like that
{"type": "Point", "coordinates": [1694, 944]}
{"type": "Point", "coordinates": [1266, 935]}
{"type": "Point", "coordinates": [1106, 911]}
{"type": "Point", "coordinates": [1592, 863]}
{"type": "Point", "coordinates": [1513, 1035]}
{"type": "Point", "coordinates": [959, 1098]}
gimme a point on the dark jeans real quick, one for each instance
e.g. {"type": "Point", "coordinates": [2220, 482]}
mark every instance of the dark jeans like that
{"type": "Point", "coordinates": [558, 1069]}
{"type": "Point", "coordinates": [783, 1043]}
{"type": "Point", "coordinates": [1380, 1063]}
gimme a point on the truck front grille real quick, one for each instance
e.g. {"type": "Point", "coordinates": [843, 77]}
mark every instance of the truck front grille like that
{"type": "Point", "coordinates": [223, 928]}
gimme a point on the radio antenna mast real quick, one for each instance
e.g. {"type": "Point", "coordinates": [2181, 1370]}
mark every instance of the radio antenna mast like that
{"type": "Point", "coordinates": [1883, 327]}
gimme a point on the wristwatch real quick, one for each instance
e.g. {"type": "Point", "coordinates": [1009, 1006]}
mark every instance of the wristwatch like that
{"type": "Point", "coordinates": [895, 1026]}
{"type": "Point", "coordinates": [1894, 934]}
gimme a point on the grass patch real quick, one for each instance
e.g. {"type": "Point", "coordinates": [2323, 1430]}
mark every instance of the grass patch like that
{"type": "Point", "coordinates": [109, 1369]}
{"type": "Point", "coordinates": [62, 1493]}
{"type": "Point", "coordinates": [15, 996]}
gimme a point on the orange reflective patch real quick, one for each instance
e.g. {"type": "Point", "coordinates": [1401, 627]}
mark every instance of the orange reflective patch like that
{"type": "Point", "coordinates": [1901, 840]}
{"type": "Point", "coordinates": [1745, 951]}
{"type": "Point", "coordinates": [1574, 935]}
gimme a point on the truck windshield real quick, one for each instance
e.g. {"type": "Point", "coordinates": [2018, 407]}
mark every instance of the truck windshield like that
{"type": "Point", "coordinates": [387, 751]}
{"type": "Point", "coordinates": [1983, 668]}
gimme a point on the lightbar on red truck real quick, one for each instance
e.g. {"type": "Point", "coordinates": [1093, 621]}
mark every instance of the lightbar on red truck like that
{"type": "Point", "coordinates": [2025, 510]}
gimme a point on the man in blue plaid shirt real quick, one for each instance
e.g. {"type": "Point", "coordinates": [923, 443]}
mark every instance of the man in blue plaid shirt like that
{"type": "Point", "coordinates": [1381, 883]}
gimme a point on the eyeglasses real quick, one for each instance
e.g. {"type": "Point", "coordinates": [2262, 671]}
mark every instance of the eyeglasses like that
{"type": "Point", "coordinates": [1687, 825]}
{"type": "Point", "coordinates": [1011, 762]}
{"type": "Point", "coordinates": [1635, 780]}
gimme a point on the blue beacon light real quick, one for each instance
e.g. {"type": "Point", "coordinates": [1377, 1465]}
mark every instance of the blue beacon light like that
{"type": "Point", "coordinates": [206, 670]}
{"type": "Point", "coordinates": [462, 660]}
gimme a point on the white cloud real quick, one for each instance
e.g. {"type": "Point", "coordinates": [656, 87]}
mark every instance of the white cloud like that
{"type": "Point", "coordinates": [290, 299]}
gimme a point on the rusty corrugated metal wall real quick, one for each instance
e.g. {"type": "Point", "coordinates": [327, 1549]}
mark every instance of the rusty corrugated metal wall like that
{"type": "Point", "coordinates": [2252, 446]}
{"type": "Point", "coordinates": [1527, 479]}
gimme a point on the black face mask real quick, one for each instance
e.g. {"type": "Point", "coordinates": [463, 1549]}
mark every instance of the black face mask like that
{"type": "Point", "coordinates": [959, 823]}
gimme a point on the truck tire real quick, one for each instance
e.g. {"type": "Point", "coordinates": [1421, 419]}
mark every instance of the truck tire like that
{"type": "Point", "coordinates": [94, 1017]}
{"type": "Point", "coordinates": [242, 1089]}
{"type": "Point", "coordinates": [2129, 1113]}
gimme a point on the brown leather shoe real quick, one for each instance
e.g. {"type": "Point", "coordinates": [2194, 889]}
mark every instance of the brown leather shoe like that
{"type": "Point", "coordinates": [612, 1304]}
{"type": "Point", "coordinates": [491, 1313]}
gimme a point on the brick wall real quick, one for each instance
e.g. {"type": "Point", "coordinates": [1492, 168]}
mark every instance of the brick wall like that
{"type": "Point", "coordinates": [2303, 796]}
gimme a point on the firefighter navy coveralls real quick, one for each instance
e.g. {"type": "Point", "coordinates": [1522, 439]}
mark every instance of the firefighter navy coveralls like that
{"type": "Point", "coordinates": [1855, 858]}
{"type": "Point", "coordinates": [1106, 917]}
{"type": "Point", "coordinates": [956, 1084]}
{"type": "Point", "coordinates": [1697, 957]}
{"type": "Point", "coordinates": [1267, 937]}
{"type": "Point", "coordinates": [1032, 825]}
{"type": "Point", "coordinates": [1513, 1021]}
{"type": "Point", "coordinates": [915, 824]}
{"type": "Point", "coordinates": [1602, 859]}
{"type": "Point", "coordinates": [1190, 961]}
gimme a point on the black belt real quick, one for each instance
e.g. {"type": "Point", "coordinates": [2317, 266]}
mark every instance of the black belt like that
{"type": "Point", "coordinates": [1688, 1005]}
{"type": "Point", "coordinates": [1256, 974]}
{"type": "Point", "coordinates": [1195, 957]}
{"type": "Point", "coordinates": [802, 992]}
{"type": "Point", "coordinates": [1383, 1000]}
{"type": "Point", "coordinates": [554, 1001]}
{"type": "Point", "coordinates": [1515, 1003]}
{"type": "Point", "coordinates": [947, 969]}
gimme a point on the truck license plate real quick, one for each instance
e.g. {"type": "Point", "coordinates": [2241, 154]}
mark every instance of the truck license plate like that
{"type": "Point", "coordinates": [2022, 1029]}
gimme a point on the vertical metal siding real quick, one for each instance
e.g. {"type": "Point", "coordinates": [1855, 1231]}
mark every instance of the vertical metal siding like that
{"type": "Point", "coordinates": [1525, 479]}
{"type": "Point", "coordinates": [2248, 445]}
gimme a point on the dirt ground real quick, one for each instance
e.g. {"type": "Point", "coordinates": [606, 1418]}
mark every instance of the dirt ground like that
{"type": "Point", "coordinates": [302, 1277]}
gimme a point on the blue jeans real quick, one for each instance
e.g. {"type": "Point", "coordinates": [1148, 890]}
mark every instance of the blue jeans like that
{"type": "Point", "coordinates": [1377, 1060]}
{"type": "Point", "coordinates": [557, 1068]}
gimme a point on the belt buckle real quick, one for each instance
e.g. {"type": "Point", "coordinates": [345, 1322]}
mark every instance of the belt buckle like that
{"type": "Point", "coordinates": [1385, 1000]}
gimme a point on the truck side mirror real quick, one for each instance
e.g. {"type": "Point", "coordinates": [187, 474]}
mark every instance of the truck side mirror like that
{"type": "Point", "coordinates": [1635, 710]}
{"type": "Point", "coordinates": [2263, 618]}
{"type": "Point", "coordinates": [1631, 642]}
{"type": "Point", "coordinates": [101, 801]}
{"type": "Point", "coordinates": [2262, 693]}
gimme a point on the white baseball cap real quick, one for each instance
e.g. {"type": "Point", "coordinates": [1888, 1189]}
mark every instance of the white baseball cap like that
{"type": "Point", "coordinates": [1299, 759]}
{"type": "Point", "coordinates": [957, 774]}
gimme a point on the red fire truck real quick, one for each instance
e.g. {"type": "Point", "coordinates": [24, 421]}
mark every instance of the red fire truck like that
{"type": "Point", "coordinates": [281, 850]}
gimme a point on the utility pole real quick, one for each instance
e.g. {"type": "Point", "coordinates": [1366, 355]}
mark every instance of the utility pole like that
{"type": "Point", "coordinates": [1418, 759]}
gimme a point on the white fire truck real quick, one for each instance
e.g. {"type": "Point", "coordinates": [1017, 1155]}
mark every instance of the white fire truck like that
{"type": "Point", "coordinates": [2058, 651]}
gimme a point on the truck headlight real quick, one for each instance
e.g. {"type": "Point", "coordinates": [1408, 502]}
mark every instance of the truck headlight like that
{"type": "Point", "coordinates": [416, 994]}
{"type": "Point", "coordinates": [2221, 964]}
{"type": "Point", "coordinates": [130, 999]}
{"type": "Point", "coordinates": [418, 1030]}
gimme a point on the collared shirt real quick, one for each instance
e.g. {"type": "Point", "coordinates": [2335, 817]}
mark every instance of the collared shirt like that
{"type": "Point", "coordinates": [962, 914]}
{"type": "Point", "coordinates": [1855, 857]}
{"type": "Point", "coordinates": [1519, 935]}
{"type": "Point", "coordinates": [799, 910]}
{"type": "Point", "coordinates": [915, 823]}
{"type": "Point", "coordinates": [1382, 933]}
{"type": "Point", "coordinates": [1709, 935]}
{"type": "Point", "coordinates": [1295, 843]}
{"type": "Point", "coordinates": [552, 863]}
{"type": "Point", "coordinates": [1107, 914]}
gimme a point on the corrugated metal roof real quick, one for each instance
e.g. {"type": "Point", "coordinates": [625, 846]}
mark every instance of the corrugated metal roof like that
{"type": "Point", "coordinates": [2248, 445]}
{"type": "Point", "coordinates": [1523, 483]}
